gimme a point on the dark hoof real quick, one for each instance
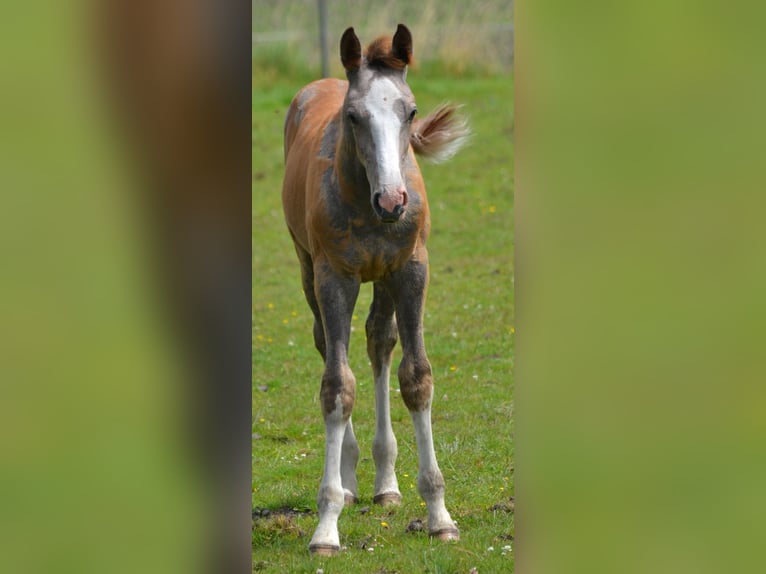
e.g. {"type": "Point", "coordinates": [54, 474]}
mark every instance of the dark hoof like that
{"type": "Point", "coordinates": [446, 534]}
{"type": "Point", "coordinates": [324, 549]}
{"type": "Point", "coordinates": [350, 500]}
{"type": "Point", "coordinates": [388, 499]}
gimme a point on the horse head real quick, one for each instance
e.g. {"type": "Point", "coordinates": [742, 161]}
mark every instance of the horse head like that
{"type": "Point", "coordinates": [377, 114]}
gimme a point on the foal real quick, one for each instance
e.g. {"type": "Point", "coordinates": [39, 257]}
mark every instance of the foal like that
{"type": "Point", "coordinates": [355, 205]}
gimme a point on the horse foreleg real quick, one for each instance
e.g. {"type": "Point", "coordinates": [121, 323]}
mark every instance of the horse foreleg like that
{"type": "Point", "coordinates": [416, 382]}
{"type": "Point", "coordinates": [336, 297]}
{"type": "Point", "coordinates": [381, 338]}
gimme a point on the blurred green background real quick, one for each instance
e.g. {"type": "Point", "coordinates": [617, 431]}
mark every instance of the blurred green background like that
{"type": "Point", "coordinates": [639, 197]}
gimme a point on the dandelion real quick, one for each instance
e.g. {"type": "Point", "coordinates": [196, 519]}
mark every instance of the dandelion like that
{"type": "Point", "coordinates": [501, 487]}
{"type": "Point", "coordinates": [453, 368]}
{"type": "Point", "coordinates": [270, 305]}
{"type": "Point", "coordinates": [269, 340]}
{"type": "Point", "coordinates": [412, 485]}
{"type": "Point", "coordinates": [513, 329]}
{"type": "Point", "coordinates": [285, 321]}
{"type": "Point", "coordinates": [263, 420]}
{"type": "Point", "coordinates": [492, 209]}
{"type": "Point", "coordinates": [406, 475]}
{"type": "Point", "coordinates": [259, 337]}
{"type": "Point", "coordinates": [294, 313]}
{"type": "Point", "coordinates": [384, 524]}
{"type": "Point", "coordinates": [422, 504]}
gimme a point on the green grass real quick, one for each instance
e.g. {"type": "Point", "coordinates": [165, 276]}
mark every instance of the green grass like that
{"type": "Point", "coordinates": [469, 337]}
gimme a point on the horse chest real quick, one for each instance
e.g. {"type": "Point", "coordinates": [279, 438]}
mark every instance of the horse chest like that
{"type": "Point", "coordinates": [369, 253]}
{"type": "Point", "coordinates": [379, 256]}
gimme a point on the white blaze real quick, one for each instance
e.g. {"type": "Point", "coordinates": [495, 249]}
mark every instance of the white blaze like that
{"type": "Point", "coordinates": [385, 127]}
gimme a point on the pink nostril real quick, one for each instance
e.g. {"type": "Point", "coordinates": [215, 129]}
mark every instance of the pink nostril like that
{"type": "Point", "coordinates": [393, 201]}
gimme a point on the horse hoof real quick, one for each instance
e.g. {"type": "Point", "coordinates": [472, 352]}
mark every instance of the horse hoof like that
{"type": "Point", "coordinates": [350, 500]}
{"type": "Point", "coordinates": [324, 549]}
{"type": "Point", "coordinates": [446, 534]}
{"type": "Point", "coordinates": [388, 499]}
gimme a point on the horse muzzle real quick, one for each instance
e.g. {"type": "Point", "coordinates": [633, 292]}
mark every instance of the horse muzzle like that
{"type": "Point", "coordinates": [389, 206]}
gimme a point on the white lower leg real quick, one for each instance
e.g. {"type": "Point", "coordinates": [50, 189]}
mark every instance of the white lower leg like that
{"type": "Point", "coordinates": [330, 499]}
{"type": "Point", "coordinates": [430, 480]}
{"type": "Point", "coordinates": [384, 449]}
{"type": "Point", "coordinates": [348, 462]}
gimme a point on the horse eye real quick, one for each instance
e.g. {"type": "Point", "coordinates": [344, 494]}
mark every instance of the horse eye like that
{"type": "Point", "coordinates": [412, 114]}
{"type": "Point", "coordinates": [352, 117]}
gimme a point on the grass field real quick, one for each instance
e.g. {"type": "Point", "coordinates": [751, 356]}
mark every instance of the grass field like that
{"type": "Point", "coordinates": [469, 337]}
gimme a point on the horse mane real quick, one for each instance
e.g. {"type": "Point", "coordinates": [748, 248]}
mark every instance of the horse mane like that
{"type": "Point", "coordinates": [380, 55]}
{"type": "Point", "coordinates": [441, 134]}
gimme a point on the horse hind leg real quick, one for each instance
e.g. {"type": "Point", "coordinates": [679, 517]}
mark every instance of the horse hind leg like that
{"type": "Point", "coordinates": [348, 461]}
{"type": "Point", "coordinates": [381, 339]}
{"type": "Point", "coordinates": [307, 279]}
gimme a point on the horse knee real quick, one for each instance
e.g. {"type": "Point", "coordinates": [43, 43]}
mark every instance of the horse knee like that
{"type": "Point", "coordinates": [338, 390]}
{"type": "Point", "coordinates": [416, 383]}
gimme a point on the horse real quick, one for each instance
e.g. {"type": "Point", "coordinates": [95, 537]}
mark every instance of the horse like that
{"type": "Point", "coordinates": [355, 205]}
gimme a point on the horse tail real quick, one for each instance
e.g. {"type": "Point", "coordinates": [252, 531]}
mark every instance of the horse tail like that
{"type": "Point", "coordinates": [441, 134]}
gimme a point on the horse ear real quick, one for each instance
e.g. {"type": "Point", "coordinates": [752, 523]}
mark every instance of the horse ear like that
{"type": "Point", "coordinates": [401, 46]}
{"type": "Point", "coordinates": [350, 50]}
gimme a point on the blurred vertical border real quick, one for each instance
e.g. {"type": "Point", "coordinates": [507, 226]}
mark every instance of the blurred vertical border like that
{"type": "Point", "coordinates": [640, 401]}
{"type": "Point", "coordinates": [125, 286]}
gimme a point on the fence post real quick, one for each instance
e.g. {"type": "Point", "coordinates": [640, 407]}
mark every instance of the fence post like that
{"type": "Point", "coordinates": [323, 38]}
